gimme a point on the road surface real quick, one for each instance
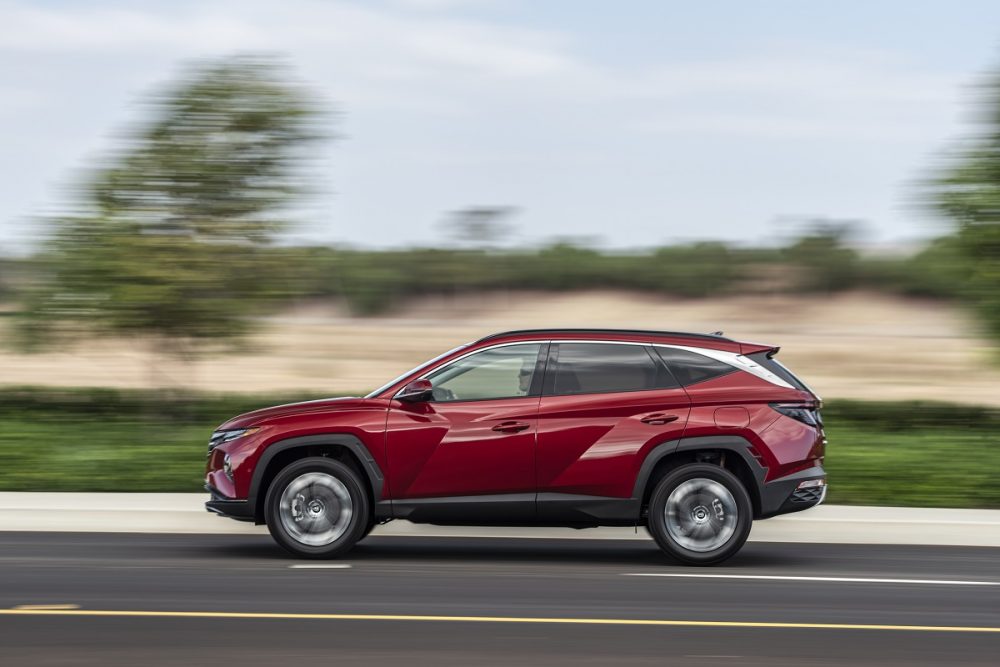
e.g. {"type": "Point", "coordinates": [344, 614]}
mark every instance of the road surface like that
{"type": "Point", "coordinates": [140, 599]}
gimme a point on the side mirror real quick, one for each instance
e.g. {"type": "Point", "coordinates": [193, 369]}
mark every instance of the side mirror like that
{"type": "Point", "coordinates": [415, 391]}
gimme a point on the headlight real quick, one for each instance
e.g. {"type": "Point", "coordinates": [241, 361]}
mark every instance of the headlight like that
{"type": "Point", "coordinates": [238, 433]}
{"type": "Point", "coordinates": [220, 437]}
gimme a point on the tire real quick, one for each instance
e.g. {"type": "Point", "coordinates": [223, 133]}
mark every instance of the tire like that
{"type": "Point", "coordinates": [371, 526]}
{"type": "Point", "coordinates": [700, 514]}
{"type": "Point", "coordinates": [317, 508]}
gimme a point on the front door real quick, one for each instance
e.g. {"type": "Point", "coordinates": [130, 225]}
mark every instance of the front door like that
{"type": "Point", "coordinates": [468, 455]}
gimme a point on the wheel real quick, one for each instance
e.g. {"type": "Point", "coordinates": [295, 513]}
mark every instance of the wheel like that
{"type": "Point", "coordinates": [700, 514]}
{"type": "Point", "coordinates": [368, 529]}
{"type": "Point", "coordinates": [317, 508]}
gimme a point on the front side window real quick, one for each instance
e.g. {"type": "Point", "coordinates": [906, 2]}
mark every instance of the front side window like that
{"type": "Point", "coordinates": [597, 368]}
{"type": "Point", "coordinates": [499, 372]}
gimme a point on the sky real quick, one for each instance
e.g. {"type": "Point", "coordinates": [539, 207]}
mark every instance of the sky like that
{"type": "Point", "coordinates": [628, 124]}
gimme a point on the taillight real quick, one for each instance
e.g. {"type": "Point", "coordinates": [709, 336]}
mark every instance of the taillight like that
{"type": "Point", "coordinates": [801, 413]}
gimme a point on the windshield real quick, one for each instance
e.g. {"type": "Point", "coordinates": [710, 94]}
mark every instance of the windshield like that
{"type": "Point", "coordinates": [416, 369]}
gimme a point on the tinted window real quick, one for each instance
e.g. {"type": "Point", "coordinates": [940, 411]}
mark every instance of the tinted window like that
{"type": "Point", "coordinates": [595, 368]}
{"type": "Point", "coordinates": [691, 367]}
{"type": "Point", "coordinates": [500, 372]}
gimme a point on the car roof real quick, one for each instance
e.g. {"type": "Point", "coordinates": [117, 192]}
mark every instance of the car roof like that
{"type": "Point", "coordinates": [631, 332]}
{"type": "Point", "coordinates": [643, 335]}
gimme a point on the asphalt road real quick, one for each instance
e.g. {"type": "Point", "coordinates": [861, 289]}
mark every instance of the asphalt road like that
{"type": "Point", "coordinates": [131, 599]}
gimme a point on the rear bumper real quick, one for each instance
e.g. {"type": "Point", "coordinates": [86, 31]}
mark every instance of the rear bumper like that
{"type": "Point", "coordinates": [783, 496]}
{"type": "Point", "coordinates": [232, 508]}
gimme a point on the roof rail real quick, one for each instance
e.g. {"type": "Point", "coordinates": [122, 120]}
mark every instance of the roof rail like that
{"type": "Point", "coordinates": [640, 332]}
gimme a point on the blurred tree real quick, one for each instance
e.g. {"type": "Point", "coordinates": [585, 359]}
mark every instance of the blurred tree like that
{"type": "Point", "coordinates": [970, 194]}
{"type": "Point", "coordinates": [824, 261]}
{"type": "Point", "coordinates": [481, 226]}
{"type": "Point", "coordinates": [171, 242]}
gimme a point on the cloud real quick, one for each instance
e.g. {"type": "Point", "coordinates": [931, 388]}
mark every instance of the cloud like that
{"type": "Point", "coordinates": [435, 89]}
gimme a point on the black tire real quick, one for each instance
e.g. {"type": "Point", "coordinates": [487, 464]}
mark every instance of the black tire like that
{"type": "Point", "coordinates": [371, 526]}
{"type": "Point", "coordinates": [701, 529]}
{"type": "Point", "coordinates": [331, 504]}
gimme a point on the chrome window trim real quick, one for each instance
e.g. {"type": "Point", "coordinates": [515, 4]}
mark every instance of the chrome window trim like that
{"type": "Point", "coordinates": [733, 359]}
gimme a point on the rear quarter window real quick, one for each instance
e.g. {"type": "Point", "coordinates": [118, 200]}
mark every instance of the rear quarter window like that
{"type": "Point", "coordinates": [690, 367]}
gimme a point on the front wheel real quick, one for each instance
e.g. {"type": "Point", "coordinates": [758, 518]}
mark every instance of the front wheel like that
{"type": "Point", "coordinates": [317, 508]}
{"type": "Point", "coordinates": [700, 514]}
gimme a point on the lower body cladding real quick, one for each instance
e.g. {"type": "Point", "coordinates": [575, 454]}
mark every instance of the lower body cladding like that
{"type": "Point", "coordinates": [793, 493]}
{"type": "Point", "coordinates": [789, 494]}
{"type": "Point", "coordinates": [231, 508]}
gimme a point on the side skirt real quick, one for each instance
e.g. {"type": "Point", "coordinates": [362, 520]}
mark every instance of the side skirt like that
{"type": "Point", "coordinates": [515, 509]}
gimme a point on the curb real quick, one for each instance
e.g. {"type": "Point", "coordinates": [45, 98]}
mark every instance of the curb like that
{"type": "Point", "coordinates": [185, 513]}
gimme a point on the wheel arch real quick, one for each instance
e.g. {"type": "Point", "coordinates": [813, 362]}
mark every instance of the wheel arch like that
{"type": "Point", "coordinates": [340, 446]}
{"type": "Point", "coordinates": [731, 452]}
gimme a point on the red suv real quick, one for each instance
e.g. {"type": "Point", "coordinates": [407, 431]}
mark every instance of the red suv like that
{"type": "Point", "coordinates": [692, 435]}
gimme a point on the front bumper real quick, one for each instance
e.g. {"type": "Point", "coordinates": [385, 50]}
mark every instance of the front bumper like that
{"type": "Point", "coordinates": [228, 507]}
{"type": "Point", "coordinates": [783, 496]}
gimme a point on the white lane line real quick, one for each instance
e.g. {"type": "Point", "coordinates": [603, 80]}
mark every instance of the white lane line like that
{"type": "Point", "coordinates": [320, 566]}
{"type": "Point", "coordinates": [861, 580]}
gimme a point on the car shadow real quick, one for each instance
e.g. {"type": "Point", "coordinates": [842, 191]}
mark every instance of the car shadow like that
{"type": "Point", "coordinates": [578, 551]}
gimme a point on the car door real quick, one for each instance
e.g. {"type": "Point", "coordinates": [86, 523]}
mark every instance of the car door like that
{"type": "Point", "coordinates": [604, 406]}
{"type": "Point", "coordinates": [468, 455]}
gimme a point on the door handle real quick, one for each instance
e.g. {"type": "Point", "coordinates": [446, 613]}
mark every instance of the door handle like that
{"type": "Point", "coordinates": [511, 427]}
{"type": "Point", "coordinates": [658, 419]}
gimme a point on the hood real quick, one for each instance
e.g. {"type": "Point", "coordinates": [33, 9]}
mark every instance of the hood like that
{"type": "Point", "coordinates": [321, 405]}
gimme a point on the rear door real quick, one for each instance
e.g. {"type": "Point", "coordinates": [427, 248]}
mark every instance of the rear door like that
{"type": "Point", "coordinates": [603, 407]}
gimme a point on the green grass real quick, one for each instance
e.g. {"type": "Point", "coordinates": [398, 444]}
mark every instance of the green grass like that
{"type": "Point", "coordinates": [934, 468]}
{"type": "Point", "coordinates": [910, 454]}
{"type": "Point", "coordinates": [106, 440]}
{"type": "Point", "coordinates": [918, 454]}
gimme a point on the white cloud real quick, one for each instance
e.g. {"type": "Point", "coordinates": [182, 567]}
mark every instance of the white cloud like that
{"type": "Point", "coordinates": [425, 83]}
{"type": "Point", "coordinates": [373, 52]}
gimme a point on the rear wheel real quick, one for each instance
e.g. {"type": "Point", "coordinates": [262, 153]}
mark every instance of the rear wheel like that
{"type": "Point", "coordinates": [317, 508]}
{"type": "Point", "coordinates": [700, 514]}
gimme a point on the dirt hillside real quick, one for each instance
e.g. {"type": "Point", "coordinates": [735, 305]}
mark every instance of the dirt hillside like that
{"type": "Point", "coordinates": [853, 345]}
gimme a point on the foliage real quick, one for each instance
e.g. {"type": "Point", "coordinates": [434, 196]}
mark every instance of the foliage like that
{"type": "Point", "coordinates": [937, 271]}
{"type": "Point", "coordinates": [970, 194]}
{"type": "Point", "coordinates": [825, 264]}
{"type": "Point", "coordinates": [373, 282]}
{"type": "Point", "coordinates": [173, 228]}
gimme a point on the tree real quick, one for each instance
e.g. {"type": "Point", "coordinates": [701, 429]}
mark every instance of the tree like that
{"type": "Point", "coordinates": [481, 226]}
{"type": "Point", "coordinates": [825, 262]}
{"type": "Point", "coordinates": [170, 241]}
{"type": "Point", "coordinates": [969, 193]}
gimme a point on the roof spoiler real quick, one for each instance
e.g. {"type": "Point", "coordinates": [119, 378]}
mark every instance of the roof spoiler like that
{"type": "Point", "coordinates": [754, 348]}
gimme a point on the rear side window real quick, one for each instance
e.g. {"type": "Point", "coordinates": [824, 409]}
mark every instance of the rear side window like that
{"type": "Point", "coordinates": [690, 367]}
{"type": "Point", "coordinates": [596, 368]}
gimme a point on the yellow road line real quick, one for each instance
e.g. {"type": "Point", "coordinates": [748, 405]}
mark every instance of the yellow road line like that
{"type": "Point", "coordinates": [489, 619]}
